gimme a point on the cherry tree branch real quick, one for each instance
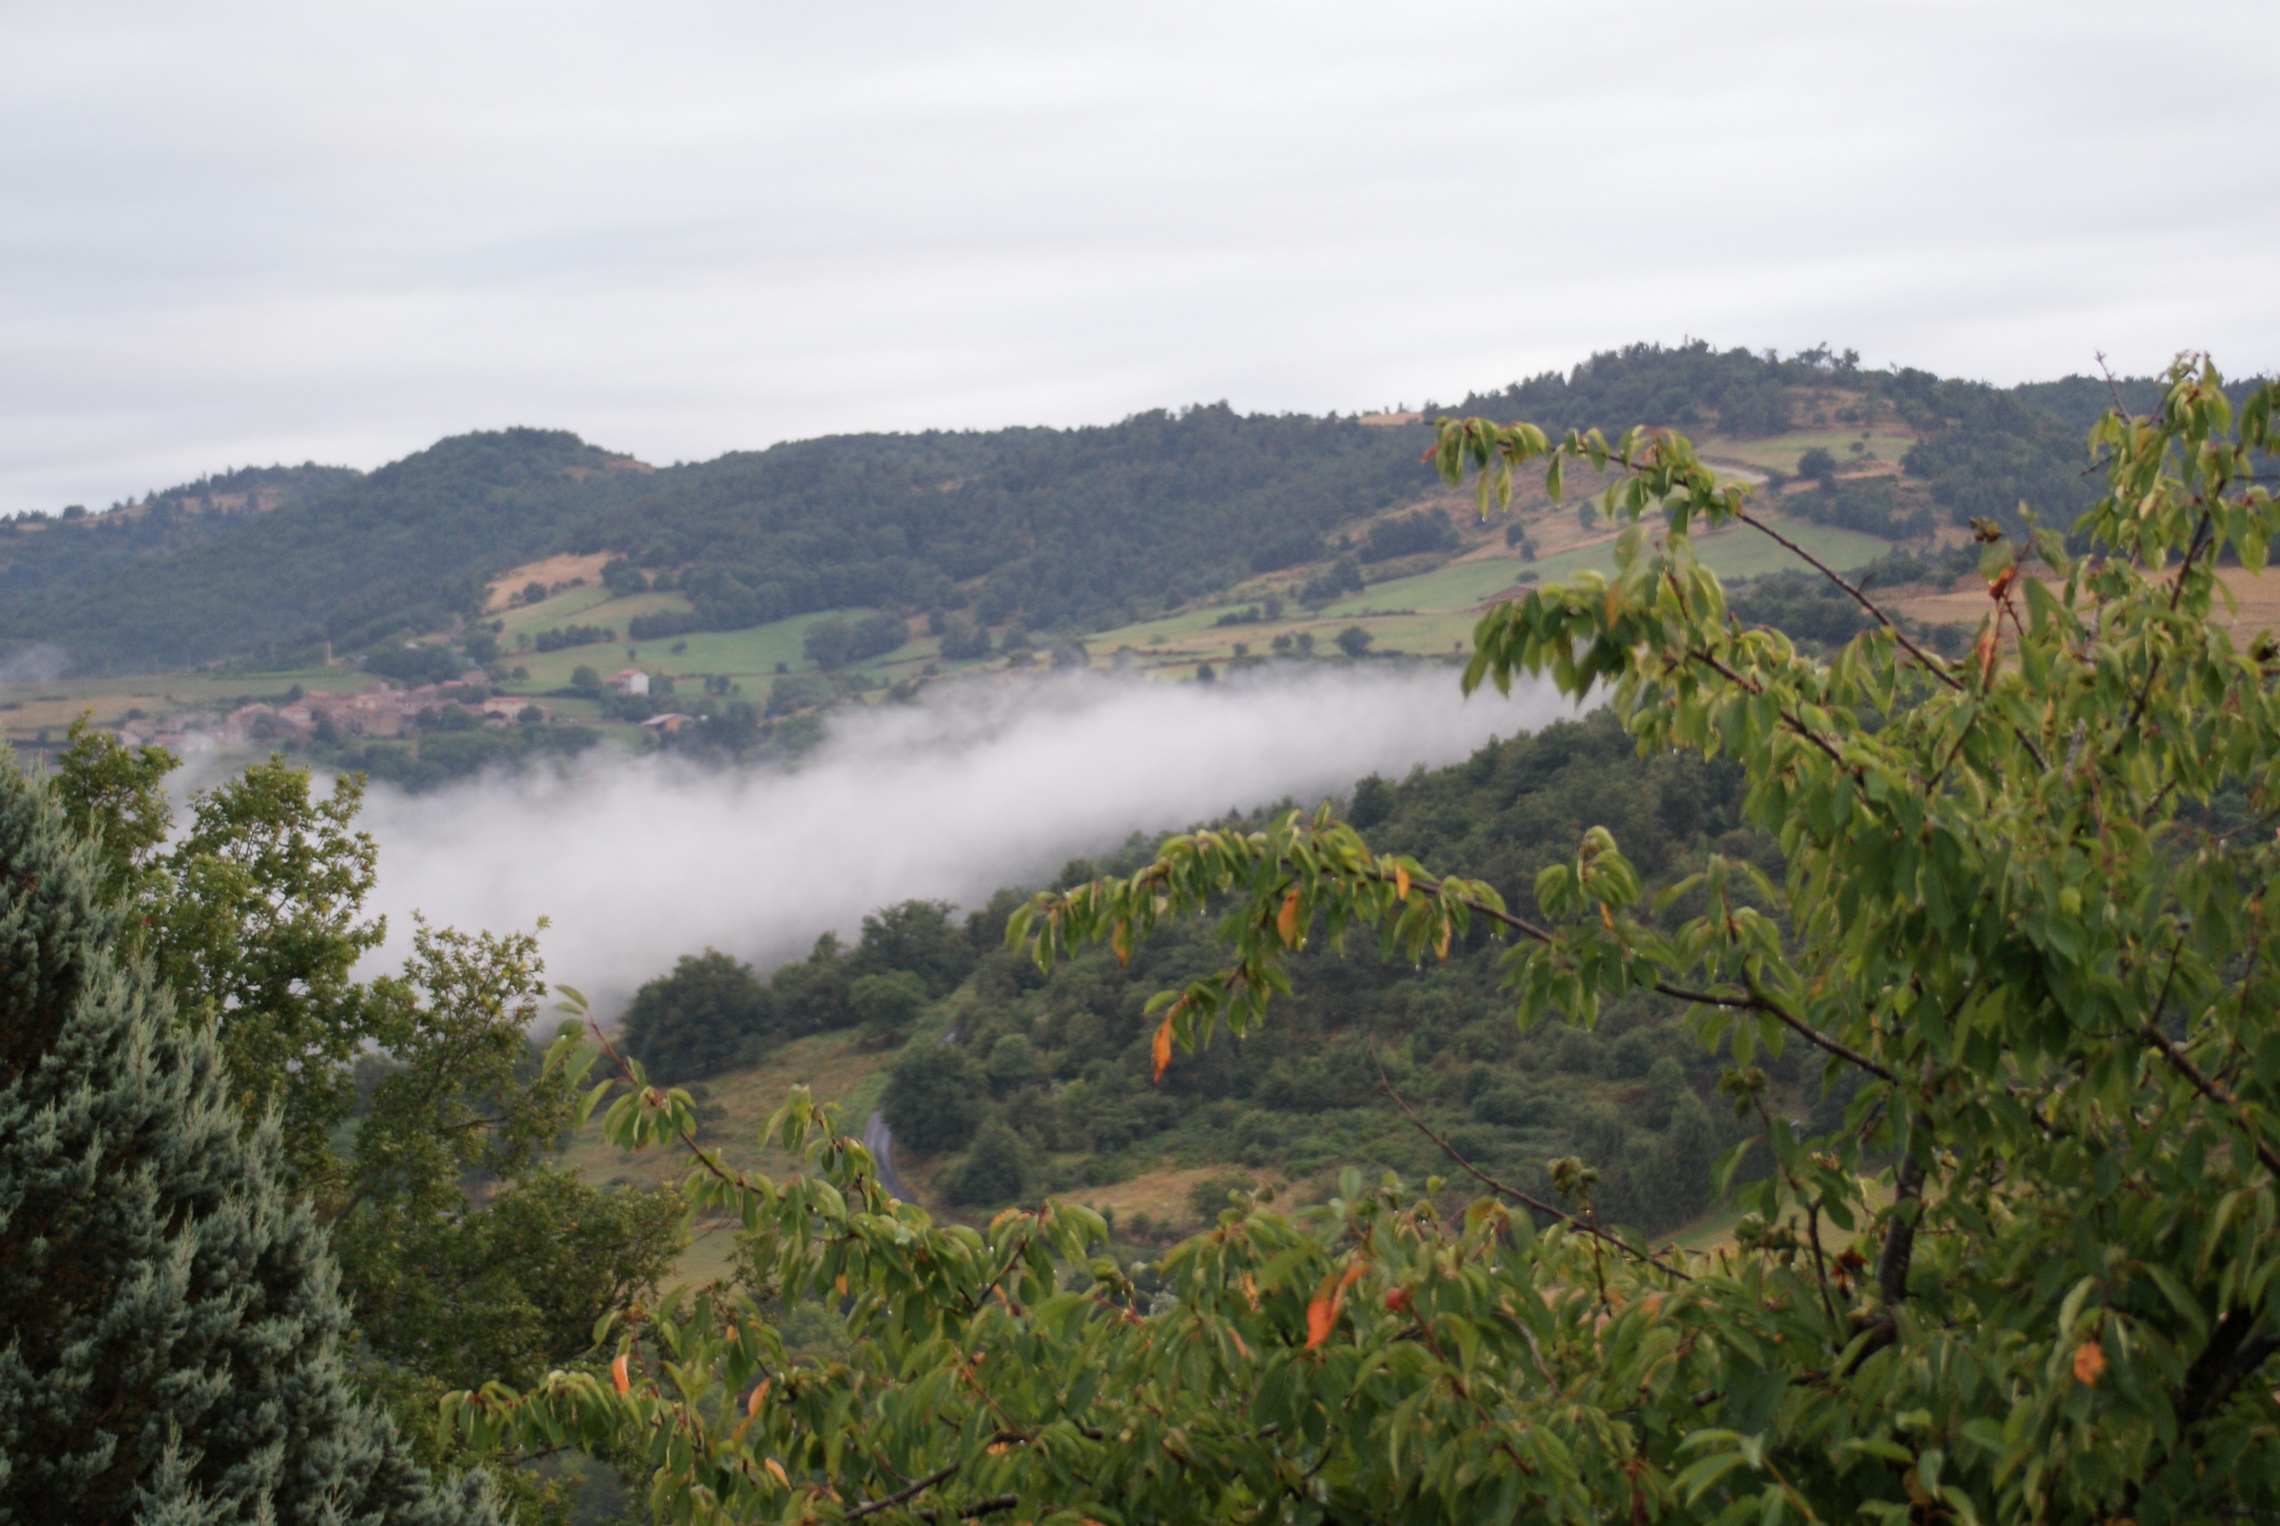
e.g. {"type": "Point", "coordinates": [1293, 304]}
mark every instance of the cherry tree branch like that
{"type": "Point", "coordinates": [1525, 1199]}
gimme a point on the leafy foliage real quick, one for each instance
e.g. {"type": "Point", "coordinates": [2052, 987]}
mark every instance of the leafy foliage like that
{"type": "Point", "coordinates": [2024, 1274]}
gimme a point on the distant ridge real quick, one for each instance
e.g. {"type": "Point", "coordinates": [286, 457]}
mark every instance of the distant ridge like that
{"type": "Point", "coordinates": [1055, 529]}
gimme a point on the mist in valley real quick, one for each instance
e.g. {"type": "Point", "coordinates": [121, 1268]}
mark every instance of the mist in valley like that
{"type": "Point", "coordinates": [637, 860]}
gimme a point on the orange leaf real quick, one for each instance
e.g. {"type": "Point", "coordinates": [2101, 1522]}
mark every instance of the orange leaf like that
{"type": "Point", "coordinates": [776, 1468]}
{"type": "Point", "coordinates": [1984, 649]}
{"type": "Point", "coordinates": [1162, 1048]}
{"type": "Point", "coordinates": [1400, 883]}
{"type": "Point", "coordinates": [1286, 922]}
{"type": "Point", "coordinates": [2089, 1361]}
{"type": "Point", "coordinates": [752, 1401]}
{"type": "Point", "coordinates": [1322, 1312]}
{"type": "Point", "coordinates": [618, 1372]}
{"type": "Point", "coordinates": [1441, 940]}
{"type": "Point", "coordinates": [2000, 584]}
{"type": "Point", "coordinates": [1120, 942]}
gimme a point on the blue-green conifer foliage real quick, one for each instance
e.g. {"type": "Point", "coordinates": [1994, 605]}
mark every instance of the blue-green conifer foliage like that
{"type": "Point", "coordinates": [170, 1325]}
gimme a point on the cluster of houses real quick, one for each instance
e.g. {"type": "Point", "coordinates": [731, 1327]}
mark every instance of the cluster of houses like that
{"type": "Point", "coordinates": [375, 712]}
{"type": "Point", "coordinates": [379, 712]}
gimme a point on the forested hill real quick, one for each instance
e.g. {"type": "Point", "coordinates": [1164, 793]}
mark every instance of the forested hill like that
{"type": "Point", "coordinates": [1064, 525]}
{"type": "Point", "coordinates": [404, 547]}
{"type": "Point", "coordinates": [1067, 527]}
{"type": "Point", "coordinates": [1058, 530]}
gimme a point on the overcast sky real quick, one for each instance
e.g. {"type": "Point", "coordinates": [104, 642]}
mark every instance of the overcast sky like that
{"type": "Point", "coordinates": [246, 233]}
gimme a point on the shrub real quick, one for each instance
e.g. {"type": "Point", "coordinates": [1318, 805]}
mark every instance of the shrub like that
{"type": "Point", "coordinates": [934, 1097]}
{"type": "Point", "coordinates": [995, 1170]}
{"type": "Point", "coordinates": [699, 1020]}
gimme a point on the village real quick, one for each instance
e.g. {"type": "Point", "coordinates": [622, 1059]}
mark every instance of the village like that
{"type": "Point", "coordinates": [380, 711]}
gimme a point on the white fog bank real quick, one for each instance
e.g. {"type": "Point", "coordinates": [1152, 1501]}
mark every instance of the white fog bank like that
{"type": "Point", "coordinates": [637, 861]}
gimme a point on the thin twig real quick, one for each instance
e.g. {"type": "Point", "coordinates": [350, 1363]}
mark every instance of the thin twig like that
{"type": "Point", "coordinates": [1514, 1193]}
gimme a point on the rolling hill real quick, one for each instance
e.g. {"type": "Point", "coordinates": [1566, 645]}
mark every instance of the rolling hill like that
{"type": "Point", "coordinates": [1071, 531]}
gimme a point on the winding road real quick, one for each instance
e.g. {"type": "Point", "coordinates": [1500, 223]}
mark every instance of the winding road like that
{"type": "Point", "coordinates": [880, 1141]}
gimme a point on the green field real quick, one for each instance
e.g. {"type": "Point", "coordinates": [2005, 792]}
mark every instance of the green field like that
{"type": "Point", "coordinates": [1733, 553]}
{"type": "Point", "coordinates": [740, 655]}
{"type": "Point", "coordinates": [1781, 452]}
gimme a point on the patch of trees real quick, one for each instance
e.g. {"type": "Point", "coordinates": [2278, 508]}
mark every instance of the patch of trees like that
{"type": "Point", "coordinates": [963, 638]}
{"type": "Point", "coordinates": [561, 637]}
{"type": "Point", "coordinates": [415, 665]}
{"type": "Point", "coordinates": [1871, 505]}
{"type": "Point", "coordinates": [833, 642]}
{"type": "Point", "coordinates": [1675, 385]}
{"type": "Point", "coordinates": [664, 623]}
{"type": "Point", "coordinates": [257, 1154]}
{"type": "Point", "coordinates": [1341, 578]}
{"type": "Point", "coordinates": [1409, 535]}
{"type": "Point", "coordinates": [1062, 1063]}
{"type": "Point", "coordinates": [444, 757]}
{"type": "Point", "coordinates": [710, 1013]}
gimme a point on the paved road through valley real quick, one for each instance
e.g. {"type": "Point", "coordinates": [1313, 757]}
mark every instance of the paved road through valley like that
{"type": "Point", "coordinates": [880, 1141]}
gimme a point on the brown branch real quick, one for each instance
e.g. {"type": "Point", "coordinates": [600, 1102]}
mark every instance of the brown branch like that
{"type": "Point", "coordinates": [2208, 1087]}
{"type": "Point", "coordinates": [1711, 661]}
{"type": "Point", "coordinates": [1514, 1193]}
{"type": "Point", "coordinates": [990, 1506]}
{"type": "Point", "coordinates": [1900, 1235]}
{"type": "Point", "coordinates": [888, 1502]}
{"type": "Point", "coordinates": [1929, 663]}
{"type": "Point", "coordinates": [1753, 1002]}
{"type": "Point", "coordinates": [2176, 592]}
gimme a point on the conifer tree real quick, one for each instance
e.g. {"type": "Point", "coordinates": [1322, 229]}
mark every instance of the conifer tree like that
{"type": "Point", "coordinates": [170, 1325]}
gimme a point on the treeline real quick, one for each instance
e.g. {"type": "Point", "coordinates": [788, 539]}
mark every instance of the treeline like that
{"type": "Point", "coordinates": [1043, 1083]}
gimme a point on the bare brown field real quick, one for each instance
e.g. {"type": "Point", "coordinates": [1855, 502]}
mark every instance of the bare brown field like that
{"type": "Point", "coordinates": [554, 569]}
{"type": "Point", "coordinates": [2256, 602]}
{"type": "Point", "coordinates": [1163, 1195]}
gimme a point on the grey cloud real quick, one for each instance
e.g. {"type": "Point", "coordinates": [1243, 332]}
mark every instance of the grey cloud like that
{"type": "Point", "coordinates": [274, 232]}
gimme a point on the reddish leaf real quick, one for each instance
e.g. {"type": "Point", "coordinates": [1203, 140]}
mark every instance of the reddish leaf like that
{"type": "Point", "coordinates": [1322, 1312]}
